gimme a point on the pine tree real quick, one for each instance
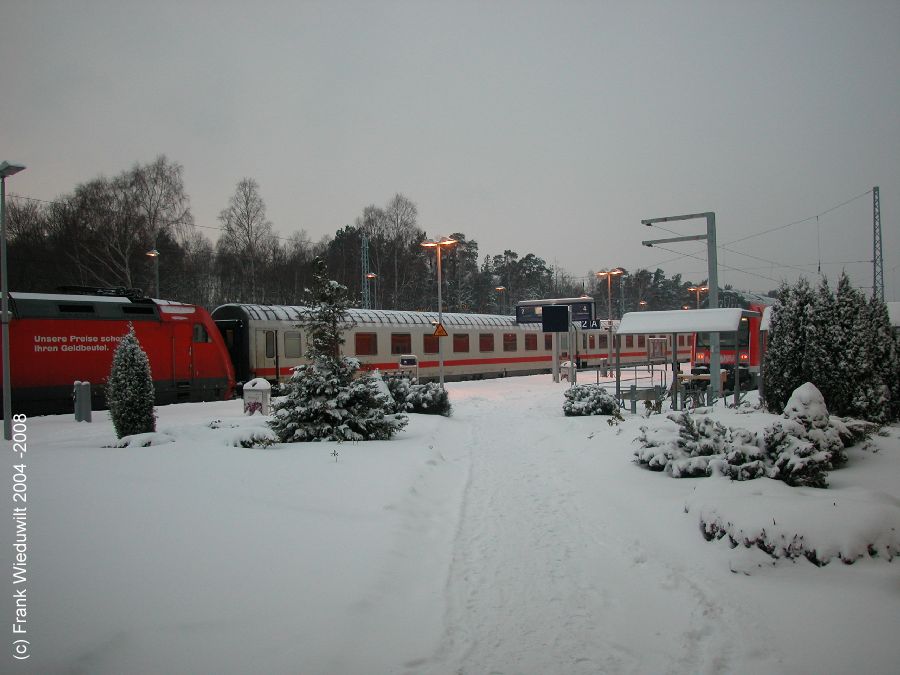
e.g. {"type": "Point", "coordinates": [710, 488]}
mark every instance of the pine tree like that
{"type": "Point", "coordinates": [784, 356]}
{"type": "Point", "coordinates": [129, 391]}
{"type": "Point", "coordinates": [886, 354]}
{"type": "Point", "coordinates": [325, 401]}
{"type": "Point", "coordinates": [818, 353]}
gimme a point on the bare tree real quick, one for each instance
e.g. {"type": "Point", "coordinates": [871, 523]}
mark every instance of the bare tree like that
{"type": "Point", "coordinates": [400, 229]}
{"type": "Point", "coordinates": [246, 232]}
{"type": "Point", "coordinates": [158, 198]}
{"type": "Point", "coordinates": [106, 235]}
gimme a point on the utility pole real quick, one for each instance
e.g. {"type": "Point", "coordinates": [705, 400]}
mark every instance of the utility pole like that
{"type": "Point", "coordinates": [364, 256]}
{"type": "Point", "coordinates": [877, 260]}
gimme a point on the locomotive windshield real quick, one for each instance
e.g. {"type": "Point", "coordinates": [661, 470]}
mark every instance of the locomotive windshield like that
{"type": "Point", "coordinates": [727, 339]}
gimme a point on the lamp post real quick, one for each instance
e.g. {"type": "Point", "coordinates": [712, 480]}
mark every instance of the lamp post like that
{"type": "Point", "coordinates": [443, 242]}
{"type": "Point", "coordinates": [6, 169]}
{"type": "Point", "coordinates": [697, 290]}
{"type": "Point", "coordinates": [371, 276]}
{"type": "Point", "coordinates": [609, 274]}
{"type": "Point", "coordinates": [500, 290]}
{"type": "Point", "coordinates": [155, 255]}
{"type": "Point", "coordinates": [643, 304]}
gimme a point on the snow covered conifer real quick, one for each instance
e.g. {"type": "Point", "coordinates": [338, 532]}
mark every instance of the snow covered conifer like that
{"type": "Point", "coordinates": [129, 390]}
{"type": "Point", "coordinates": [787, 336]}
{"type": "Point", "coordinates": [886, 354]}
{"type": "Point", "coordinates": [325, 401]}
{"type": "Point", "coordinates": [818, 352]}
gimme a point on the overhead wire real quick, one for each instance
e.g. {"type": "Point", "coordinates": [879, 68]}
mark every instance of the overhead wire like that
{"type": "Point", "coordinates": [724, 245]}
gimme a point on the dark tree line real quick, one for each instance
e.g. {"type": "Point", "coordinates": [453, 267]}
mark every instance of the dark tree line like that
{"type": "Point", "coordinates": [100, 235]}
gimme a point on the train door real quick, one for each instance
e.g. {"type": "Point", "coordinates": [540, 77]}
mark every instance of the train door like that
{"type": "Point", "coordinates": [267, 354]}
{"type": "Point", "coordinates": [182, 360]}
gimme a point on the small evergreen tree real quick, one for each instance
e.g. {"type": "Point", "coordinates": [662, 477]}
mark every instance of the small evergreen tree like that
{"type": "Point", "coordinates": [818, 353]}
{"type": "Point", "coordinates": [324, 400]}
{"type": "Point", "coordinates": [886, 354]}
{"type": "Point", "coordinates": [784, 356]}
{"type": "Point", "coordinates": [129, 391]}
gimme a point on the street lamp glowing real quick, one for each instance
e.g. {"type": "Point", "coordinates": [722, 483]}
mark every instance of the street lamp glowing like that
{"type": "Point", "coordinates": [500, 290]}
{"type": "Point", "coordinates": [155, 255]}
{"type": "Point", "coordinates": [371, 276]}
{"type": "Point", "coordinates": [443, 242]}
{"type": "Point", "coordinates": [642, 303]}
{"type": "Point", "coordinates": [697, 290]}
{"type": "Point", "coordinates": [609, 274]}
{"type": "Point", "coordinates": [6, 170]}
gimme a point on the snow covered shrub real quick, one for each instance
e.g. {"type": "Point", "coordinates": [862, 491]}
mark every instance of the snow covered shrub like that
{"type": "Point", "coordinates": [129, 390]}
{"type": "Point", "coordinates": [589, 399]}
{"type": "Point", "coordinates": [806, 445]}
{"type": "Point", "coordinates": [324, 400]}
{"type": "Point", "coordinates": [428, 398]}
{"type": "Point", "coordinates": [398, 386]}
{"type": "Point", "coordinates": [799, 449]}
{"type": "Point", "coordinates": [688, 452]}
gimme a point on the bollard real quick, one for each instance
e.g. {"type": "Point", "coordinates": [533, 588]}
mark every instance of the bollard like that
{"type": "Point", "coordinates": [82, 396]}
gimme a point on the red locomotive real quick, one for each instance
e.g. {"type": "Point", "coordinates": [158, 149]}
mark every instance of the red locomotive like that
{"type": "Point", "coordinates": [57, 339]}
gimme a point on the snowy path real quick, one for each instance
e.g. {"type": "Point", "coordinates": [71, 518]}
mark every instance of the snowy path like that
{"type": "Point", "coordinates": [546, 565]}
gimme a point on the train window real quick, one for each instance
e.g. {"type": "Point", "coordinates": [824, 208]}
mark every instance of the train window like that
{"type": "Point", "coordinates": [592, 342]}
{"type": "Point", "coordinates": [460, 342]}
{"type": "Point", "coordinates": [200, 334]}
{"type": "Point", "coordinates": [129, 309]}
{"type": "Point", "coordinates": [401, 343]}
{"type": "Point", "coordinates": [602, 340]}
{"type": "Point", "coordinates": [292, 345]}
{"type": "Point", "coordinates": [629, 340]}
{"type": "Point", "coordinates": [89, 309]}
{"type": "Point", "coordinates": [270, 344]}
{"type": "Point", "coordinates": [510, 342]}
{"type": "Point", "coordinates": [229, 338]}
{"type": "Point", "coordinates": [530, 342]}
{"type": "Point", "coordinates": [430, 344]}
{"type": "Point", "coordinates": [681, 340]}
{"type": "Point", "coordinates": [366, 344]}
{"type": "Point", "coordinates": [485, 342]}
{"type": "Point", "coordinates": [642, 341]}
{"type": "Point", "coordinates": [548, 341]}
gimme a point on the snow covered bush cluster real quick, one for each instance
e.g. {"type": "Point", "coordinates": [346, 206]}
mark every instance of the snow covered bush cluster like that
{"type": "Point", "coordinates": [325, 400]}
{"type": "Point", "coordinates": [589, 399]}
{"type": "Point", "coordinates": [841, 343]}
{"type": "Point", "coordinates": [426, 398]}
{"type": "Point", "coordinates": [129, 390]}
{"type": "Point", "coordinates": [779, 542]}
{"type": "Point", "coordinates": [799, 449]}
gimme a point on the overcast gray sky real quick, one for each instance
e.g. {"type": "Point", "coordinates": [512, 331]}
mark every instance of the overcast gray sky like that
{"type": "Point", "coordinates": [544, 127]}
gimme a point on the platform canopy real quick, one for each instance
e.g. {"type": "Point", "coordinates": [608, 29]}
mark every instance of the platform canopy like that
{"type": "Point", "coordinates": [725, 320]}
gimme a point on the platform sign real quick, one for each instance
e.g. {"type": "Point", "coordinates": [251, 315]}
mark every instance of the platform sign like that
{"type": "Point", "coordinates": [440, 331]}
{"type": "Point", "coordinates": [593, 324]}
{"type": "Point", "coordinates": [555, 318]}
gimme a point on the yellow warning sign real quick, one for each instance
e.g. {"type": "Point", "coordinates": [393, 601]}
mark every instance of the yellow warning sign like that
{"type": "Point", "coordinates": [440, 331]}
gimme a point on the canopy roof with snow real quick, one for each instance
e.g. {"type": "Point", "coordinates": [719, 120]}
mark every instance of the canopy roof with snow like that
{"type": "Point", "coordinates": [725, 320]}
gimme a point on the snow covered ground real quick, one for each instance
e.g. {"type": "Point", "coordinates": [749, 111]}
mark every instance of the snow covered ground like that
{"type": "Point", "coordinates": [504, 539]}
